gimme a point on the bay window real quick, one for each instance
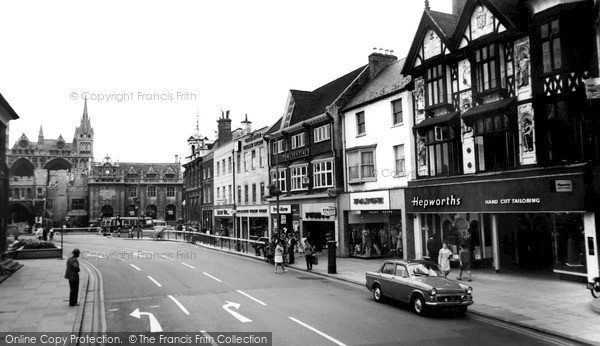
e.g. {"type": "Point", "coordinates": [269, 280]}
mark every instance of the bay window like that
{"type": "Point", "coordinates": [361, 165]}
{"type": "Point", "coordinates": [487, 68]}
{"type": "Point", "coordinates": [495, 143]}
{"type": "Point", "coordinates": [323, 174]}
{"type": "Point", "coordinates": [443, 150]}
{"type": "Point", "coordinates": [297, 174]}
{"type": "Point", "coordinates": [435, 86]}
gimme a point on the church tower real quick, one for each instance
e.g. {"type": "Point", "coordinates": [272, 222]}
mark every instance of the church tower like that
{"type": "Point", "coordinates": [83, 140]}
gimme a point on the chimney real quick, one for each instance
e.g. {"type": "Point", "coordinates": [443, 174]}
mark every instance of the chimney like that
{"type": "Point", "coordinates": [457, 6]}
{"type": "Point", "coordinates": [378, 60]}
{"type": "Point", "coordinates": [247, 124]}
{"type": "Point", "coordinates": [176, 158]}
{"type": "Point", "coordinates": [224, 128]}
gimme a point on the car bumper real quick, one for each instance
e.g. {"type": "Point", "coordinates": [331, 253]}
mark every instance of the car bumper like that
{"type": "Point", "coordinates": [449, 304]}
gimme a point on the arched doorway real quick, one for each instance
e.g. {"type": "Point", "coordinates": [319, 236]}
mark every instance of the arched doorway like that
{"type": "Point", "coordinates": [19, 212]}
{"type": "Point", "coordinates": [22, 168]}
{"type": "Point", "coordinates": [130, 211]}
{"type": "Point", "coordinates": [170, 213]}
{"type": "Point", "coordinates": [107, 211]}
{"type": "Point", "coordinates": [151, 211]}
{"type": "Point", "coordinates": [58, 164]}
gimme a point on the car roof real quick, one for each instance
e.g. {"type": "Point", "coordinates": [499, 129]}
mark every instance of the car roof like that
{"type": "Point", "coordinates": [415, 261]}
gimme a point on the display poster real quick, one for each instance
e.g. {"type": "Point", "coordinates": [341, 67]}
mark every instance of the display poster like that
{"type": "Point", "coordinates": [522, 68]}
{"type": "Point", "coordinates": [526, 134]}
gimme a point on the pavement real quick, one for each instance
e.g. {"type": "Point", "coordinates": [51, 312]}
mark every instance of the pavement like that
{"type": "Point", "coordinates": [35, 298]}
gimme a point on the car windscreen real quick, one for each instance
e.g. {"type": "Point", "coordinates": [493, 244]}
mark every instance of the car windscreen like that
{"type": "Point", "coordinates": [424, 269]}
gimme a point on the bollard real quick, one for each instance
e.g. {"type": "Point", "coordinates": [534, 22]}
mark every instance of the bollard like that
{"type": "Point", "coordinates": [331, 265]}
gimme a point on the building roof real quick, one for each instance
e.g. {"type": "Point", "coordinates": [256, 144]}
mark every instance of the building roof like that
{"type": "Point", "coordinates": [389, 81]}
{"type": "Point", "coordinates": [4, 104]}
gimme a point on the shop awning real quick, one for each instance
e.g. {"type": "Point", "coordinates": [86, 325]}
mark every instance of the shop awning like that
{"type": "Point", "coordinates": [442, 119]}
{"type": "Point", "coordinates": [487, 108]}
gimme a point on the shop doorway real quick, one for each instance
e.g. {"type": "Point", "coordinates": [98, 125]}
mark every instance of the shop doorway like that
{"type": "Point", "coordinates": [318, 232]}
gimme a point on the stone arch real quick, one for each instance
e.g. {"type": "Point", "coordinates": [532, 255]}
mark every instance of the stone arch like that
{"type": "Point", "coordinates": [19, 212]}
{"type": "Point", "coordinates": [170, 213]}
{"type": "Point", "coordinates": [151, 211]}
{"type": "Point", "coordinates": [107, 210]}
{"type": "Point", "coordinates": [22, 168]}
{"type": "Point", "coordinates": [58, 164]}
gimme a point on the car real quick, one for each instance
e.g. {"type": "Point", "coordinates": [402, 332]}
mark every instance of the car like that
{"type": "Point", "coordinates": [419, 283]}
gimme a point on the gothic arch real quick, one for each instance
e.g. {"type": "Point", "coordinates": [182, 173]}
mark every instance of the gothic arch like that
{"type": "Point", "coordinates": [22, 168]}
{"type": "Point", "coordinates": [58, 164]}
{"type": "Point", "coordinates": [107, 210]}
{"type": "Point", "coordinates": [151, 211]}
{"type": "Point", "coordinates": [170, 213]}
{"type": "Point", "coordinates": [19, 212]}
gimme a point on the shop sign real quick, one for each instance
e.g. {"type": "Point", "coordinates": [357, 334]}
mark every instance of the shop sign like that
{"type": "Point", "coordinates": [252, 211]}
{"type": "Point", "coordinates": [283, 209]}
{"type": "Point", "coordinates": [296, 154]}
{"type": "Point", "coordinates": [224, 212]}
{"type": "Point", "coordinates": [376, 200]}
{"type": "Point", "coordinates": [329, 211]}
{"type": "Point", "coordinates": [513, 201]}
{"type": "Point", "coordinates": [563, 185]}
{"type": "Point", "coordinates": [431, 202]}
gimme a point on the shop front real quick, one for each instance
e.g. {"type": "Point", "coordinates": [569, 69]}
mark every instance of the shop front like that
{"type": "Point", "coordinates": [281, 220]}
{"type": "Point", "coordinates": [372, 227]}
{"type": "Point", "coordinates": [252, 221]}
{"type": "Point", "coordinates": [525, 223]}
{"type": "Point", "coordinates": [223, 222]}
{"type": "Point", "coordinates": [319, 222]}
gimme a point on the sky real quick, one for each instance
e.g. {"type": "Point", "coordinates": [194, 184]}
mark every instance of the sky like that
{"type": "Point", "coordinates": [150, 69]}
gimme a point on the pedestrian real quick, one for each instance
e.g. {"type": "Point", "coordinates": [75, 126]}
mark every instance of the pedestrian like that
{"type": "Point", "coordinates": [308, 254]}
{"type": "Point", "coordinates": [444, 259]}
{"type": "Point", "coordinates": [433, 247]}
{"type": "Point", "coordinates": [291, 247]}
{"type": "Point", "coordinates": [279, 256]}
{"type": "Point", "coordinates": [465, 261]}
{"type": "Point", "coordinates": [51, 234]}
{"type": "Point", "coordinates": [72, 274]}
{"type": "Point", "coordinates": [399, 245]}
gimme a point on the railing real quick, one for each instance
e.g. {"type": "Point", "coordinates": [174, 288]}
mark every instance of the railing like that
{"type": "Point", "coordinates": [259, 248]}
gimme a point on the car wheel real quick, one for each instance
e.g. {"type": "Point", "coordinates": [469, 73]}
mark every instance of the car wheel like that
{"type": "Point", "coordinates": [377, 293]}
{"type": "Point", "coordinates": [418, 305]}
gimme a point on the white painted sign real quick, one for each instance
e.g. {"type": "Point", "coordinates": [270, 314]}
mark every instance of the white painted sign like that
{"type": "Point", "coordinates": [235, 314]}
{"type": "Point", "coordinates": [154, 325]}
{"type": "Point", "coordinates": [283, 209]}
{"type": "Point", "coordinates": [563, 185]}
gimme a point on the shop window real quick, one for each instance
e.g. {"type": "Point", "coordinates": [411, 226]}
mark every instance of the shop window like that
{"type": "Point", "coordinates": [323, 174]}
{"type": "Point", "coordinates": [435, 86]}
{"type": "Point", "coordinates": [321, 133]}
{"type": "Point", "coordinates": [132, 192]}
{"type": "Point", "coordinates": [495, 143]}
{"type": "Point", "coordinates": [570, 137]}
{"type": "Point", "coordinates": [397, 117]}
{"type": "Point", "coordinates": [443, 151]}
{"type": "Point", "coordinates": [361, 165]}
{"type": "Point", "coordinates": [551, 47]}
{"type": "Point", "coordinates": [297, 175]}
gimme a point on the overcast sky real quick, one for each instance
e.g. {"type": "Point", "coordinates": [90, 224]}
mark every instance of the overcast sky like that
{"type": "Point", "coordinates": [148, 67]}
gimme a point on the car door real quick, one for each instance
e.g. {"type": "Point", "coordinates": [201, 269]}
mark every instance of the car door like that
{"type": "Point", "coordinates": [386, 279]}
{"type": "Point", "coordinates": [401, 283]}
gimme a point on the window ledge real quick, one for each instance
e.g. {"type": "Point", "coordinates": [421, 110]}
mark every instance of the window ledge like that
{"type": "Point", "coordinates": [361, 134]}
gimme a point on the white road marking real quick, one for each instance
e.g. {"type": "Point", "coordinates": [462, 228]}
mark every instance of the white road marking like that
{"type": "Point", "coordinates": [154, 325]}
{"type": "Point", "coordinates": [317, 331]}
{"type": "Point", "coordinates": [179, 304]}
{"type": "Point", "coordinates": [212, 277]}
{"type": "Point", "coordinates": [135, 267]}
{"type": "Point", "coordinates": [249, 296]}
{"type": "Point", "coordinates": [239, 316]}
{"type": "Point", "coordinates": [156, 282]}
{"type": "Point", "coordinates": [113, 310]}
{"type": "Point", "coordinates": [185, 264]}
{"type": "Point", "coordinates": [154, 306]}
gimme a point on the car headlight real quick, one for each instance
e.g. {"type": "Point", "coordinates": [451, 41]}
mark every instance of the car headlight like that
{"type": "Point", "coordinates": [469, 290]}
{"type": "Point", "coordinates": [433, 292]}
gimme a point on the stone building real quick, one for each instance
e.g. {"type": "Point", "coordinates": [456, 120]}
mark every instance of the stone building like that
{"type": "Point", "coordinates": [6, 115]}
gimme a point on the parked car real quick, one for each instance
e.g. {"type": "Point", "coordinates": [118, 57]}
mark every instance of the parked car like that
{"type": "Point", "coordinates": [419, 283]}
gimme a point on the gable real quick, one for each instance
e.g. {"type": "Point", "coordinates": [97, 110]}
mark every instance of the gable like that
{"type": "Point", "coordinates": [289, 110]}
{"type": "Point", "coordinates": [481, 22]}
{"type": "Point", "coordinates": [431, 46]}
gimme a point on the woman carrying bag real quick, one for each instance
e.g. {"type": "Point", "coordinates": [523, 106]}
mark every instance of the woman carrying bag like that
{"type": "Point", "coordinates": [308, 254]}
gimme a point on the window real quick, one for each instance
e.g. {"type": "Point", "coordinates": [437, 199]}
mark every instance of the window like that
{"type": "Point", "coordinates": [229, 194]}
{"type": "Point", "coordinates": [280, 146]}
{"type": "Point", "coordinates": [570, 136]}
{"type": "Point", "coordinates": [297, 174]}
{"type": "Point", "coordinates": [132, 192]}
{"type": "Point", "coordinates": [151, 175]}
{"type": "Point", "coordinates": [151, 191]}
{"type": "Point", "coordinates": [78, 204]}
{"type": "Point", "coordinates": [486, 68]}
{"type": "Point", "coordinates": [253, 159]}
{"type": "Point", "coordinates": [218, 169]}
{"type": "Point", "coordinates": [495, 143]}
{"type": "Point", "coordinates": [399, 161]}
{"type": "Point", "coordinates": [361, 165]}
{"type": "Point", "coordinates": [169, 176]}
{"type": "Point", "coordinates": [435, 86]}
{"type": "Point", "coordinates": [280, 180]}
{"type": "Point", "coordinates": [262, 191]}
{"type": "Point", "coordinates": [239, 163]}
{"type": "Point", "coordinates": [245, 162]}
{"type": "Point", "coordinates": [551, 48]}
{"type": "Point", "coordinates": [229, 164]}
{"type": "Point", "coordinates": [223, 166]}
{"type": "Point", "coordinates": [170, 191]}
{"type": "Point", "coordinates": [245, 193]}
{"type": "Point", "coordinates": [206, 194]}
{"type": "Point", "coordinates": [322, 174]}
{"type": "Point", "coordinates": [321, 133]}
{"type": "Point", "coordinates": [218, 193]}
{"type": "Point", "coordinates": [397, 112]}
{"type": "Point", "coordinates": [131, 176]}
{"type": "Point", "coordinates": [298, 140]}
{"type": "Point", "coordinates": [443, 151]}
{"type": "Point", "coordinates": [360, 123]}
{"type": "Point", "coordinates": [260, 157]}
{"type": "Point", "coordinates": [239, 194]}
{"type": "Point", "coordinates": [253, 193]}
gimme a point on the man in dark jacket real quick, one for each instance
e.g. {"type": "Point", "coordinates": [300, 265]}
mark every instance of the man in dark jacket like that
{"type": "Point", "coordinates": [433, 247]}
{"type": "Point", "coordinates": [72, 274]}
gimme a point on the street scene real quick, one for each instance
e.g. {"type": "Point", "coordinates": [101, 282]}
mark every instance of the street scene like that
{"type": "Point", "coordinates": [277, 173]}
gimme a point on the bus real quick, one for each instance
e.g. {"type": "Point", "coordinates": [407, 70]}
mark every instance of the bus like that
{"type": "Point", "coordinates": [123, 223]}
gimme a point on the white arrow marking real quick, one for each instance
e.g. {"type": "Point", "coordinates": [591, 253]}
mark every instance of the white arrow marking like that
{"type": "Point", "coordinates": [154, 325]}
{"type": "Point", "coordinates": [242, 319]}
{"type": "Point", "coordinates": [185, 264]}
{"type": "Point", "coordinates": [156, 282]}
{"type": "Point", "coordinates": [179, 304]}
{"type": "Point", "coordinates": [212, 277]}
{"type": "Point", "coordinates": [317, 331]}
{"type": "Point", "coordinates": [249, 296]}
{"type": "Point", "coordinates": [135, 267]}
